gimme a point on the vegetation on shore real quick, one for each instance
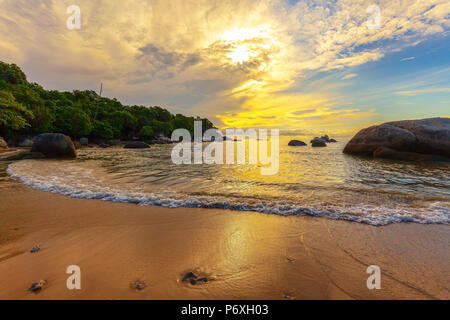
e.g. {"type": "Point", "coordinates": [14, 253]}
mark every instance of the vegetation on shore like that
{"type": "Point", "coordinates": [27, 109]}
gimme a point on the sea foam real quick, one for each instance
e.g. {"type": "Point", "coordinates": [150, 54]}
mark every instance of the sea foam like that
{"type": "Point", "coordinates": [81, 184]}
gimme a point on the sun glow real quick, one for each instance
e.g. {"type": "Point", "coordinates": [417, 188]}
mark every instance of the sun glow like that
{"type": "Point", "coordinates": [245, 44]}
{"type": "Point", "coordinates": [241, 54]}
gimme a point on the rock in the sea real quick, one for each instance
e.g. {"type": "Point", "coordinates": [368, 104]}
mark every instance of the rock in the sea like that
{"type": "Point", "coordinates": [3, 144]}
{"type": "Point", "coordinates": [296, 143]}
{"type": "Point", "coordinates": [54, 145]}
{"type": "Point", "coordinates": [426, 136]}
{"type": "Point", "coordinates": [137, 145]}
{"type": "Point", "coordinates": [333, 140]}
{"type": "Point", "coordinates": [318, 142]}
{"type": "Point", "coordinates": [325, 138]}
{"type": "Point", "coordinates": [27, 143]}
{"type": "Point", "coordinates": [84, 141]}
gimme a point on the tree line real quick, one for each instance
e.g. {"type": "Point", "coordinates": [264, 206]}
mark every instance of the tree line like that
{"type": "Point", "coordinates": [27, 109]}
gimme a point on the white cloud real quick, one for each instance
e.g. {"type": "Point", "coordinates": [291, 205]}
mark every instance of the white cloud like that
{"type": "Point", "coordinates": [349, 76]}
{"type": "Point", "coordinates": [408, 59]}
{"type": "Point", "coordinates": [422, 91]}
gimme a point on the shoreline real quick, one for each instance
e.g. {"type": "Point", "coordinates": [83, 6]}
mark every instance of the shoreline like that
{"type": "Point", "coordinates": [244, 255]}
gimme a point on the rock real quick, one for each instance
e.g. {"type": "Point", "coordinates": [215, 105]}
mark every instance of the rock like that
{"type": "Point", "coordinates": [193, 279]}
{"type": "Point", "coordinates": [137, 145]}
{"type": "Point", "coordinates": [296, 143]}
{"type": "Point", "coordinates": [325, 138]}
{"type": "Point", "coordinates": [318, 142]}
{"type": "Point", "coordinates": [426, 136]}
{"type": "Point", "coordinates": [139, 285]}
{"type": "Point", "coordinates": [54, 145]}
{"type": "Point", "coordinates": [103, 145]}
{"type": "Point", "coordinates": [34, 155]}
{"type": "Point", "coordinates": [332, 140]}
{"type": "Point", "coordinates": [386, 153]}
{"type": "Point", "coordinates": [84, 142]}
{"type": "Point", "coordinates": [35, 287]}
{"type": "Point", "coordinates": [35, 249]}
{"type": "Point", "coordinates": [3, 144]}
{"type": "Point", "coordinates": [188, 276]}
{"type": "Point", "coordinates": [27, 143]}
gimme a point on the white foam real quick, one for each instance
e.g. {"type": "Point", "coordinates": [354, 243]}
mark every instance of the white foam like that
{"type": "Point", "coordinates": [92, 187]}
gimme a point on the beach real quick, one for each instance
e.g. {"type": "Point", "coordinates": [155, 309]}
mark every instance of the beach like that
{"type": "Point", "coordinates": [244, 255]}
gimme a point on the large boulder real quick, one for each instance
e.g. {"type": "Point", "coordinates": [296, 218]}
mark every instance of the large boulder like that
{"type": "Point", "coordinates": [54, 145]}
{"type": "Point", "coordinates": [297, 143]}
{"type": "Point", "coordinates": [3, 144]}
{"type": "Point", "coordinates": [137, 145]}
{"type": "Point", "coordinates": [426, 136]}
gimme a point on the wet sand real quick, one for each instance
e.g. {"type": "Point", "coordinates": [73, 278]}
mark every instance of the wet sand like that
{"type": "Point", "coordinates": [244, 255]}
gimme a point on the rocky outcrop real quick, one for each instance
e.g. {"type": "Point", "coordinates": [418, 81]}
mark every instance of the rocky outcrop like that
{"type": "Point", "coordinates": [296, 143]}
{"type": "Point", "coordinates": [54, 145]}
{"type": "Point", "coordinates": [137, 145]}
{"type": "Point", "coordinates": [3, 144]}
{"type": "Point", "coordinates": [404, 140]}
{"type": "Point", "coordinates": [318, 142]}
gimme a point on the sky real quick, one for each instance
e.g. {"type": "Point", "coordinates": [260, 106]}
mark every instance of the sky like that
{"type": "Point", "coordinates": [306, 66]}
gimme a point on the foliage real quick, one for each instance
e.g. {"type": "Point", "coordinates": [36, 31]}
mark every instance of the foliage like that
{"type": "Point", "coordinates": [28, 109]}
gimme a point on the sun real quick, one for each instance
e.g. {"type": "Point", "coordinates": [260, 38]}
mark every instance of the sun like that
{"type": "Point", "coordinates": [241, 53]}
{"type": "Point", "coordinates": [240, 42]}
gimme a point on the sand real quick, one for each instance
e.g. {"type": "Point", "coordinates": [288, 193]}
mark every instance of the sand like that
{"type": "Point", "coordinates": [244, 255]}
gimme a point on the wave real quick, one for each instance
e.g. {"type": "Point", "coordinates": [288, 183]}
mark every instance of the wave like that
{"type": "Point", "coordinates": [436, 212]}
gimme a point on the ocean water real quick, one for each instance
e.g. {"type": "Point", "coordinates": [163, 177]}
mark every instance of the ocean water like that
{"type": "Point", "coordinates": [319, 182]}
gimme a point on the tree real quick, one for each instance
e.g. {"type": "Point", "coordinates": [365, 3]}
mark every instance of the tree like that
{"type": "Point", "coordinates": [11, 73]}
{"type": "Point", "coordinates": [13, 115]}
{"type": "Point", "coordinates": [123, 123]}
{"type": "Point", "coordinates": [102, 129]}
{"type": "Point", "coordinates": [73, 121]}
{"type": "Point", "coordinates": [146, 132]}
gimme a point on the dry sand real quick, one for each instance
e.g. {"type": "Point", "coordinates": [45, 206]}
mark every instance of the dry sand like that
{"type": "Point", "coordinates": [245, 255]}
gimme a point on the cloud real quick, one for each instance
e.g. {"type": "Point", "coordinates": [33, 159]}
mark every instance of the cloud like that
{"type": "Point", "coordinates": [422, 91]}
{"type": "Point", "coordinates": [349, 76]}
{"type": "Point", "coordinates": [408, 59]}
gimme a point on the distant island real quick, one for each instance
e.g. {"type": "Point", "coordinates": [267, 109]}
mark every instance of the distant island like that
{"type": "Point", "coordinates": [27, 109]}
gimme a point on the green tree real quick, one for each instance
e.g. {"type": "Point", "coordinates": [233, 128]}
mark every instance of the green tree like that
{"type": "Point", "coordinates": [103, 130]}
{"type": "Point", "coordinates": [13, 115]}
{"type": "Point", "coordinates": [146, 132]}
{"type": "Point", "coordinates": [73, 121]}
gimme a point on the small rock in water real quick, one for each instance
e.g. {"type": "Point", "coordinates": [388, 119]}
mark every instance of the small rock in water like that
{"type": "Point", "coordinates": [188, 276]}
{"type": "Point", "coordinates": [296, 143]}
{"type": "Point", "coordinates": [35, 249]}
{"type": "Point", "coordinates": [35, 287]}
